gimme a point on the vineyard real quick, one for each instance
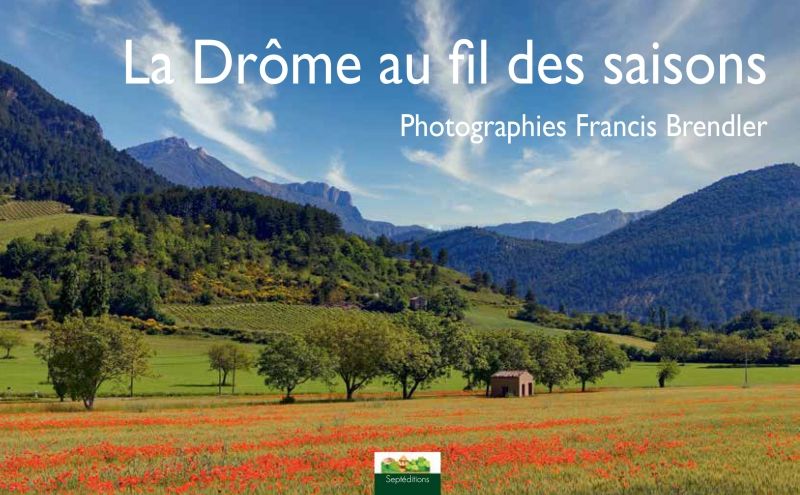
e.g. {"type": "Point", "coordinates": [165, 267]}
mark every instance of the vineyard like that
{"type": "Point", "coordinates": [264, 316]}
{"type": "Point", "coordinates": [20, 210]}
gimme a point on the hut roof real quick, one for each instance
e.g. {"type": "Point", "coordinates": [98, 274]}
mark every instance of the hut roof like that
{"type": "Point", "coordinates": [510, 373]}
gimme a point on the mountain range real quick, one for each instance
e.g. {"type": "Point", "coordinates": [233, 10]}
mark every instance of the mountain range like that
{"type": "Point", "coordinates": [732, 246]}
{"type": "Point", "coordinates": [174, 159]}
{"type": "Point", "coordinates": [727, 248]}
{"type": "Point", "coordinates": [572, 230]}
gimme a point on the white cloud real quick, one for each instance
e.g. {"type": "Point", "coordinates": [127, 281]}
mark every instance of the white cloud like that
{"type": "Point", "coordinates": [460, 102]}
{"type": "Point", "coordinates": [210, 111]}
{"type": "Point", "coordinates": [463, 208]}
{"type": "Point", "coordinates": [87, 4]}
{"type": "Point", "coordinates": [777, 102]}
{"type": "Point", "coordinates": [337, 177]}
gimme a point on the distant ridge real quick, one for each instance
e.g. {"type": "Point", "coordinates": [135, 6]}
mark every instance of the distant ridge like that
{"type": "Point", "coordinates": [572, 230]}
{"type": "Point", "coordinates": [174, 159]}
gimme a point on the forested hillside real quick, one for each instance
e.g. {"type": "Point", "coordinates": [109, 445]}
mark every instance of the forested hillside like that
{"type": "Point", "coordinates": [732, 246]}
{"type": "Point", "coordinates": [50, 150]}
{"type": "Point", "coordinates": [167, 243]}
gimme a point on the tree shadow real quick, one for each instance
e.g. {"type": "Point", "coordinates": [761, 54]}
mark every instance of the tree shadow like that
{"type": "Point", "coordinates": [199, 385]}
{"type": "Point", "coordinates": [741, 366]}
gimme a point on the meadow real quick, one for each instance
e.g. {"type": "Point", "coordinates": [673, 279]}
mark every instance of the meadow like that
{"type": "Point", "coordinates": [699, 440]}
{"type": "Point", "coordinates": [180, 367]}
{"type": "Point", "coordinates": [28, 218]}
{"type": "Point", "coordinates": [271, 316]}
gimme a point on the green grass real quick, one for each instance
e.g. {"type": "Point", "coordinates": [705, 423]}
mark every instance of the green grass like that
{"type": "Point", "coordinates": [29, 227]}
{"type": "Point", "coordinates": [496, 317]}
{"type": "Point", "coordinates": [181, 368]}
{"type": "Point", "coordinates": [293, 317]}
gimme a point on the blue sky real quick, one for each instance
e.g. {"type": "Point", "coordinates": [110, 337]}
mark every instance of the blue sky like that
{"type": "Point", "coordinates": [350, 135]}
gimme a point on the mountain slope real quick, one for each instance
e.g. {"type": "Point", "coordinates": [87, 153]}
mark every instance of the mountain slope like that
{"type": "Point", "coordinates": [174, 159]}
{"type": "Point", "coordinates": [572, 230]}
{"type": "Point", "coordinates": [336, 201]}
{"type": "Point", "coordinates": [177, 161]}
{"type": "Point", "coordinates": [51, 150]}
{"type": "Point", "coordinates": [732, 246]}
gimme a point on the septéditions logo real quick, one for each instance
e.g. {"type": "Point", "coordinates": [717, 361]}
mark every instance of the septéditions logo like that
{"type": "Point", "coordinates": [406, 473]}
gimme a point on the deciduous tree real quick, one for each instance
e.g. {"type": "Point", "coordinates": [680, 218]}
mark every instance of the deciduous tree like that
{"type": "Point", "coordinates": [598, 355]}
{"type": "Point", "coordinates": [425, 349]}
{"type": "Point", "coordinates": [668, 370]}
{"type": "Point", "coordinates": [358, 345]}
{"type": "Point", "coordinates": [10, 339]}
{"type": "Point", "coordinates": [83, 353]}
{"type": "Point", "coordinates": [288, 360]}
{"type": "Point", "coordinates": [227, 357]}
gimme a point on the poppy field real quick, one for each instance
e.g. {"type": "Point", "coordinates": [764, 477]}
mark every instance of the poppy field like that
{"type": "Point", "coordinates": [681, 440]}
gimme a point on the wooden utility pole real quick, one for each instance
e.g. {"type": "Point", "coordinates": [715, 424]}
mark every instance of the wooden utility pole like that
{"type": "Point", "coordinates": [746, 356]}
{"type": "Point", "coordinates": [233, 383]}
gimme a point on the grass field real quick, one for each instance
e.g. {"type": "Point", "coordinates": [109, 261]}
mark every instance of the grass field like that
{"type": "Point", "coordinates": [28, 218]}
{"type": "Point", "coordinates": [291, 317]}
{"type": "Point", "coordinates": [495, 318]}
{"type": "Point", "coordinates": [181, 368]}
{"type": "Point", "coordinates": [715, 440]}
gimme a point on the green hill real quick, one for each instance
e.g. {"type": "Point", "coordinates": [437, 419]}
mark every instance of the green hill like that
{"type": "Point", "coordinates": [51, 150]}
{"type": "Point", "coordinates": [728, 248]}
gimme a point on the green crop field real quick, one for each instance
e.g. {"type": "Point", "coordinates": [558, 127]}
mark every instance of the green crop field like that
{"type": "Point", "coordinates": [29, 227]}
{"type": "Point", "coordinates": [180, 367]}
{"type": "Point", "coordinates": [265, 316]}
{"type": "Point", "coordinates": [28, 218]}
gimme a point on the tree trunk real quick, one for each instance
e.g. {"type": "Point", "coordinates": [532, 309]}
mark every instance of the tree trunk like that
{"type": "Point", "coordinates": [289, 392]}
{"type": "Point", "coordinates": [661, 381]}
{"type": "Point", "coordinates": [8, 353]}
{"type": "Point", "coordinates": [550, 388]}
{"type": "Point", "coordinates": [350, 391]}
{"type": "Point", "coordinates": [131, 388]}
{"type": "Point", "coordinates": [487, 390]}
{"type": "Point", "coordinates": [88, 403]}
{"type": "Point", "coordinates": [413, 389]}
{"type": "Point", "coordinates": [583, 385]}
{"type": "Point", "coordinates": [405, 390]}
{"type": "Point", "coordinates": [224, 378]}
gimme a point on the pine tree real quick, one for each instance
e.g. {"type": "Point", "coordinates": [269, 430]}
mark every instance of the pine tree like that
{"type": "Point", "coordinates": [511, 287]}
{"type": "Point", "coordinates": [31, 296]}
{"type": "Point", "coordinates": [98, 290]}
{"type": "Point", "coordinates": [69, 299]}
{"type": "Point", "coordinates": [441, 257]}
